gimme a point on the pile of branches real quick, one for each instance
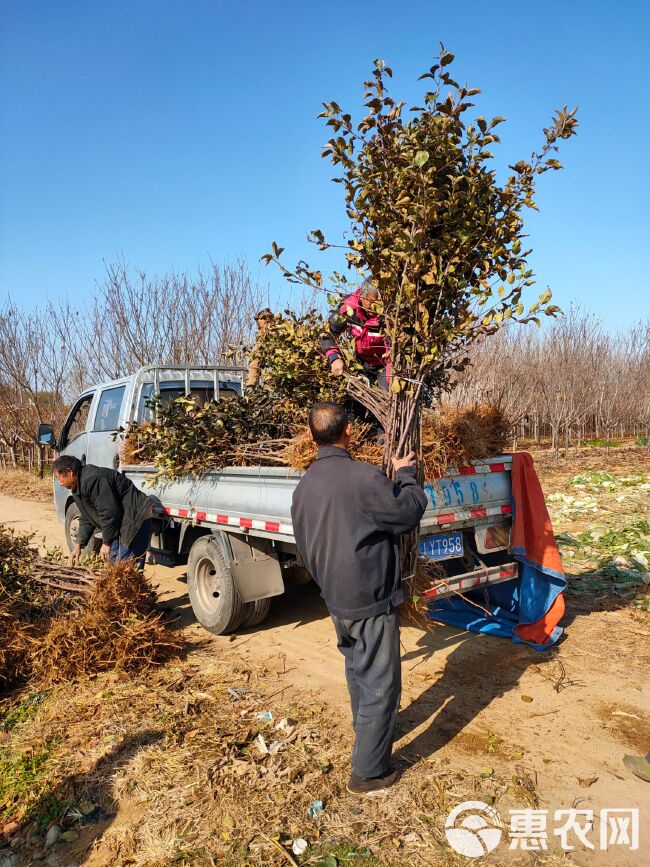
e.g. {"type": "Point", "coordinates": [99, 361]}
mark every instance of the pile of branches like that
{"type": "Point", "coordinates": [28, 602]}
{"type": "Point", "coordinates": [59, 622]}
{"type": "Point", "coordinates": [186, 437]}
{"type": "Point", "coordinates": [115, 628]}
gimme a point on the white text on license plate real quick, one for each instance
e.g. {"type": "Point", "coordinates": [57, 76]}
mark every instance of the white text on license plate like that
{"type": "Point", "coordinates": [442, 546]}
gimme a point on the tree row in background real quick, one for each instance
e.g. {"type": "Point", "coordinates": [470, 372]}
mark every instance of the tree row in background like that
{"type": "Point", "coordinates": [564, 385]}
{"type": "Point", "coordinates": [569, 384]}
{"type": "Point", "coordinates": [48, 356]}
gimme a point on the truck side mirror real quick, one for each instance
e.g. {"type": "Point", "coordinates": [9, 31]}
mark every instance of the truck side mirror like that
{"type": "Point", "coordinates": [45, 436]}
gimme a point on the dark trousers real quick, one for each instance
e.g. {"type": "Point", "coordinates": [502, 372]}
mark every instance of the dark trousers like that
{"type": "Point", "coordinates": [374, 676]}
{"type": "Point", "coordinates": [375, 376]}
{"type": "Point", "coordinates": [137, 547]}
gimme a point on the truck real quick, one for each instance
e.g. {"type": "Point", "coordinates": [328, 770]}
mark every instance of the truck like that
{"type": "Point", "coordinates": [232, 527]}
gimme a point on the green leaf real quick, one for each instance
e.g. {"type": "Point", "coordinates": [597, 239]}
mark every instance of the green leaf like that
{"type": "Point", "coordinates": [421, 158]}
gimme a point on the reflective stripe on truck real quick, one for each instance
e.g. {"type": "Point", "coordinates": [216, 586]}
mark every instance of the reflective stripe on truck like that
{"type": "Point", "coordinates": [287, 529]}
{"type": "Point", "coordinates": [227, 520]}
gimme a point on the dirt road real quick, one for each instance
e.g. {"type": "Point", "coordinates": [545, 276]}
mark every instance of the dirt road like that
{"type": "Point", "coordinates": [567, 716]}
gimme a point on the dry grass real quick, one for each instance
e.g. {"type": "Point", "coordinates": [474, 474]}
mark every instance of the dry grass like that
{"type": "Point", "coordinates": [449, 437]}
{"type": "Point", "coordinates": [178, 757]}
{"type": "Point", "coordinates": [25, 485]}
{"type": "Point", "coordinates": [624, 460]}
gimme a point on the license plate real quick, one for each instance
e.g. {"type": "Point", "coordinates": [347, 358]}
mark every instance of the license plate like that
{"type": "Point", "coordinates": [442, 546]}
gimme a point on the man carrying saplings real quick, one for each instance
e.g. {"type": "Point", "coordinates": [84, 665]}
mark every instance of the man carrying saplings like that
{"type": "Point", "coordinates": [347, 518]}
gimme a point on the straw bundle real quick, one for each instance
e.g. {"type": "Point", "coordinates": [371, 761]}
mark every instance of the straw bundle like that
{"type": "Point", "coordinates": [301, 451]}
{"type": "Point", "coordinates": [449, 437]}
{"type": "Point", "coordinates": [456, 437]}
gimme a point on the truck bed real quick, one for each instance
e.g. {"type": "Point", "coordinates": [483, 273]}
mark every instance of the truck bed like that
{"type": "Point", "coordinates": [258, 499]}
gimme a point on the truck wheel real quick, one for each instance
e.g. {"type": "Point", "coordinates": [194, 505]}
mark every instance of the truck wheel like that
{"type": "Point", "coordinates": [214, 596]}
{"type": "Point", "coordinates": [255, 612]}
{"type": "Point", "coordinates": [71, 529]}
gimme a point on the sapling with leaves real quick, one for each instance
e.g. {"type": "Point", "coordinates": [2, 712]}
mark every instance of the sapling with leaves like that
{"type": "Point", "coordinates": [288, 353]}
{"type": "Point", "coordinates": [441, 238]}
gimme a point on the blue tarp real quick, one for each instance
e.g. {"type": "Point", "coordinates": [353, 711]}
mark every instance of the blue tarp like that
{"type": "Point", "coordinates": [523, 600]}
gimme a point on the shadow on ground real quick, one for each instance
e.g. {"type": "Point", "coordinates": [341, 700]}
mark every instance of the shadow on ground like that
{"type": "Point", "coordinates": [94, 787]}
{"type": "Point", "coordinates": [477, 671]}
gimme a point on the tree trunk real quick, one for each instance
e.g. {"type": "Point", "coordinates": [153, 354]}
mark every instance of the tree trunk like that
{"type": "Point", "coordinates": [608, 433]}
{"type": "Point", "coordinates": [555, 439]}
{"type": "Point", "coordinates": [404, 435]}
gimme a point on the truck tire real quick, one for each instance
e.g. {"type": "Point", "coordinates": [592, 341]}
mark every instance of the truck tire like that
{"type": "Point", "coordinates": [255, 612]}
{"type": "Point", "coordinates": [214, 596]}
{"type": "Point", "coordinates": [71, 527]}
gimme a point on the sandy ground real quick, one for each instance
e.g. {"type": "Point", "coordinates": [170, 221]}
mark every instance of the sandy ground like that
{"type": "Point", "coordinates": [567, 716]}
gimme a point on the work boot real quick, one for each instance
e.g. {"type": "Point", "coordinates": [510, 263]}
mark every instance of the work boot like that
{"type": "Point", "coordinates": [372, 786]}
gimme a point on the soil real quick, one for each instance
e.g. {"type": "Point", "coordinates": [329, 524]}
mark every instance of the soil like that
{"type": "Point", "coordinates": [568, 716]}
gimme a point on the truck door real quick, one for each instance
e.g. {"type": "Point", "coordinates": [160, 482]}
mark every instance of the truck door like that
{"type": "Point", "coordinates": [73, 441]}
{"type": "Point", "coordinates": [102, 447]}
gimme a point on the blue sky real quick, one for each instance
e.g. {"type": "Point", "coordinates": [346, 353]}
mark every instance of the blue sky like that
{"type": "Point", "coordinates": [172, 133]}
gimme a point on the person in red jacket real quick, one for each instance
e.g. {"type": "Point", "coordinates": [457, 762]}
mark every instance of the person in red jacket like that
{"type": "Point", "coordinates": [357, 317]}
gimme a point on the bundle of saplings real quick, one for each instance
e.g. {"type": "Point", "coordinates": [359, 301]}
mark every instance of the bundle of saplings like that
{"type": "Point", "coordinates": [185, 437]}
{"type": "Point", "coordinates": [268, 425]}
{"type": "Point", "coordinates": [59, 622]}
{"type": "Point", "coordinates": [435, 228]}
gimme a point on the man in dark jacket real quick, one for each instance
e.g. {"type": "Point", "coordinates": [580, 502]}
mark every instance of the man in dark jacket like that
{"type": "Point", "coordinates": [110, 502]}
{"type": "Point", "coordinates": [347, 518]}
